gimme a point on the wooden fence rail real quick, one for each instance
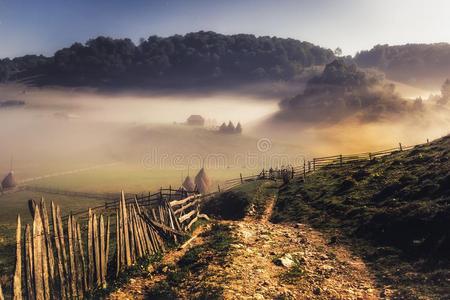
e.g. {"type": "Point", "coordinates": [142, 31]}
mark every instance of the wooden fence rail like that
{"type": "Point", "coordinates": [68, 259]}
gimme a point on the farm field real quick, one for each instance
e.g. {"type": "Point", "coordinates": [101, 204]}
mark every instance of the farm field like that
{"type": "Point", "coordinates": [108, 179]}
{"type": "Point", "coordinates": [133, 178]}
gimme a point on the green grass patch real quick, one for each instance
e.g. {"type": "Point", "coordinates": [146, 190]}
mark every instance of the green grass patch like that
{"type": "Point", "coordinates": [195, 261]}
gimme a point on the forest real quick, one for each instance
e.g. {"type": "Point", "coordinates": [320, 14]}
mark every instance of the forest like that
{"type": "Point", "coordinates": [420, 64]}
{"type": "Point", "coordinates": [198, 58]}
{"type": "Point", "coordinates": [344, 89]}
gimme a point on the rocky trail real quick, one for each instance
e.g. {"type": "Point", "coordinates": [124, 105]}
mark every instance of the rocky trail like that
{"type": "Point", "coordinates": [263, 261]}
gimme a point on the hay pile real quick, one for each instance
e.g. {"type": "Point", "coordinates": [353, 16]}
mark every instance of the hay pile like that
{"type": "Point", "coordinates": [9, 181]}
{"type": "Point", "coordinates": [202, 182]}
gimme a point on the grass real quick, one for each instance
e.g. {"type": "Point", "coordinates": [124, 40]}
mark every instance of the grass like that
{"type": "Point", "coordinates": [248, 198]}
{"type": "Point", "coordinates": [139, 269]}
{"type": "Point", "coordinates": [111, 179]}
{"type": "Point", "coordinates": [395, 210]}
{"type": "Point", "coordinates": [195, 261]}
{"type": "Point", "coordinates": [132, 178]}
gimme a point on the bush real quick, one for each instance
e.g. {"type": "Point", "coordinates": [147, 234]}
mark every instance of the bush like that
{"type": "Point", "coordinates": [228, 206]}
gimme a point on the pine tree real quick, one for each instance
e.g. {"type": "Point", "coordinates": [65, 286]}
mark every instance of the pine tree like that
{"type": "Point", "coordinates": [230, 127]}
{"type": "Point", "coordinates": [238, 128]}
{"type": "Point", "coordinates": [223, 128]}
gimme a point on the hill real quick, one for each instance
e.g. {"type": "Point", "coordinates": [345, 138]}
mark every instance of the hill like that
{"type": "Point", "coordinates": [423, 65]}
{"type": "Point", "coordinates": [195, 59]}
{"type": "Point", "coordinates": [394, 210]}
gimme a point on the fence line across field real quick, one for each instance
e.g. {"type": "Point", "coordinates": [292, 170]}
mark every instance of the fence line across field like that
{"type": "Point", "coordinates": [53, 262]}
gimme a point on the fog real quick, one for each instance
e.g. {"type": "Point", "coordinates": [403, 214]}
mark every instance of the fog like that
{"type": "Point", "coordinates": [60, 130]}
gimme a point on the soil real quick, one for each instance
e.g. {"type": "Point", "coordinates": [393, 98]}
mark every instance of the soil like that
{"type": "Point", "coordinates": [253, 269]}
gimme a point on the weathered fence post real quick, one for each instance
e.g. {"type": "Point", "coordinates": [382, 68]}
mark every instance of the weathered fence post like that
{"type": "Point", "coordinates": [314, 164]}
{"type": "Point", "coordinates": [29, 263]}
{"type": "Point", "coordinates": [37, 256]}
{"type": "Point", "coordinates": [340, 160]}
{"type": "Point", "coordinates": [400, 146]}
{"type": "Point", "coordinates": [242, 181]}
{"type": "Point", "coordinates": [304, 170]}
{"type": "Point", "coordinates": [17, 282]}
{"type": "Point", "coordinates": [370, 156]}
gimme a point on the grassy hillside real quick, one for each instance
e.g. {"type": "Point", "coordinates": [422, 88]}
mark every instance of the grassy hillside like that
{"type": "Point", "coordinates": [396, 208]}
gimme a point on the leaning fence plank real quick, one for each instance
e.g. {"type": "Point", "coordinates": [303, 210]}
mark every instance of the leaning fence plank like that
{"type": "Point", "coordinates": [48, 240]}
{"type": "Point", "coordinates": [29, 269]}
{"type": "Point", "coordinates": [118, 244]}
{"type": "Point", "coordinates": [96, 251]}
{"type": "Point", "coordinates": [148, 247]}
{"type": "Point", "coordinates": [17, 281]}
{"type": "Point", "coordinates": [61, 273]}
{"type": "Point", "coordinates": [78, 264]}
{"type": "Point", "coordinates": [132, 236]}
{"type": "Point", "coordinates": [140, 239]}
{"type": "Point", "coordinates": [102, 250]}
{"type": "Point", "coordinates": [63, 247]}
{"type": "Point", "coordinates": [126, 232]}
{"type": "Point", "coordinates": [73, 273]}
{"type": "Point", "coordinates": [90, 252]}
{"type": "Point", "coordinates": [83, 260]}
{"type": "Point", "coordinates": [108, 226]}
{"type": "Point", "coordinates": [138, 251]}
{"type": "Point", "coordinates": [37, 256]}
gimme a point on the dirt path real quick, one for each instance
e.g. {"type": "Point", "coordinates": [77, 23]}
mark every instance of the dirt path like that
{"type": "Point", "coordinates": [274, 261]}
{"type": "Point", "coordinates": [312, 269]}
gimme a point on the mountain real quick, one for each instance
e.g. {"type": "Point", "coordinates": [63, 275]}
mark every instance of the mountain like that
{"type": "Point", "coordinates": [198, 58]}
{"type": "Point", "coordinates": [422, 65]}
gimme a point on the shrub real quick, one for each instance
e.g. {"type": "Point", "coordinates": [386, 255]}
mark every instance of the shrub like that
{"type": "Point", "coordinates": [228, 206]}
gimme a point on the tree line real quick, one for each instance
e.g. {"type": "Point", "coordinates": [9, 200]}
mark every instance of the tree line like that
{"type": "Point", "coordinates": [412, 63]}
{"type": "Point", "coordinates": [195, 58]}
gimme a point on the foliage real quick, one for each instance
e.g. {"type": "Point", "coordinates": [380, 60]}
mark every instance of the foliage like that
{"type": "Point", "coordinates": [229, 205]}
{"type": "Point", "coordinates": [197, 58]}
{"type": "Point", "coordinates": [343, 90]}
{"type": "Point", "coordinates": [418, 62]}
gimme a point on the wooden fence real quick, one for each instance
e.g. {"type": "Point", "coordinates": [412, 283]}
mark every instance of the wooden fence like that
{"type": "Point", "coordinates": [53, 262]}
{"type": "Point", "coordinates": [68, 258]}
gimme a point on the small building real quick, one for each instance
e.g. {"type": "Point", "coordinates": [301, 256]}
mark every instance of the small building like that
{"type": "Point", "coordinates": [196, 120]}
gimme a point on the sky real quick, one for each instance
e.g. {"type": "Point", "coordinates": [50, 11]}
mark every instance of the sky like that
{"type": "Point", "coordinates": [44, 26]}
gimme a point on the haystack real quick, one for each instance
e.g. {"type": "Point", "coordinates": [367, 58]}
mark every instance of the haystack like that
{"type": "Point", "coordinates": [188, 184]}
{"type": "Point", "coordinates": [202, 181]}
{"type": "Point", "coordinates": [9, 181]}
{"type": "Point", "coordinates": [202, 187]}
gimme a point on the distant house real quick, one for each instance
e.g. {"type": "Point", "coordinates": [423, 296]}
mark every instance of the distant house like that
{"type": "Point", "coordinates": [196, 120]}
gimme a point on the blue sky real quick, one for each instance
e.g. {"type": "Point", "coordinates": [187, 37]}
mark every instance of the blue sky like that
{"type": "Point", "coordinates": [43, 26]}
